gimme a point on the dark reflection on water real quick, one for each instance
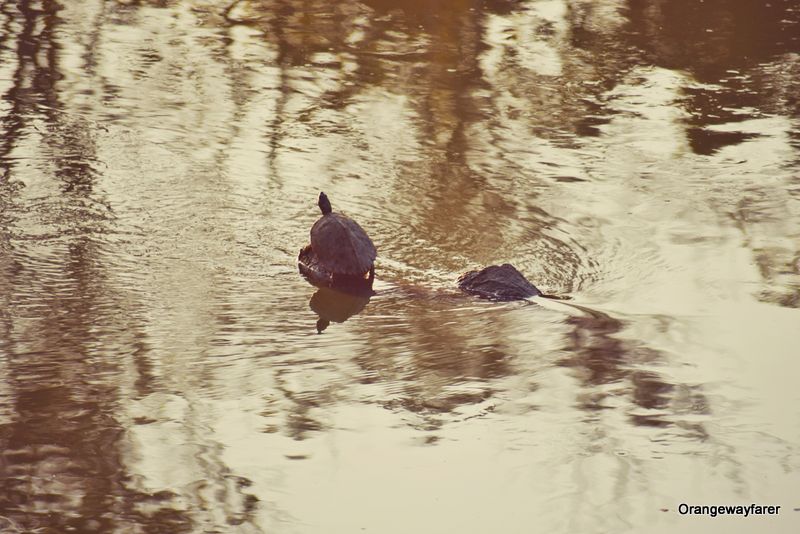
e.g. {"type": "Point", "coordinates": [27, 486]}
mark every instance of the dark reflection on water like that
{"type": "Point", "coordinates": [715, 36]}
{"type": "Point", "coordinates": [335, 306]}
{"type": "Point", "coordinates": [160, 367]}
{"type": "Point", "coordinates": [601, 359]}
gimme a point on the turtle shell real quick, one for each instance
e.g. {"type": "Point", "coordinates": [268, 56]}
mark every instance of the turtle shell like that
{"type": "Point", "coordinates": [341, 246]}
{"type": "Point", "coordinates": [498, 282]}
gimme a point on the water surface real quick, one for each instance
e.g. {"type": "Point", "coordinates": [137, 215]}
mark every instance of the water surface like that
{"type": "Point", "coordinates": [160, 366]}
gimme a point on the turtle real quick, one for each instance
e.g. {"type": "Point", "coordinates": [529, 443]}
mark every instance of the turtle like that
{"type": "Point", "coordinates": [498, 282]}
{"type": "Point", "coordinates": [340, 252]}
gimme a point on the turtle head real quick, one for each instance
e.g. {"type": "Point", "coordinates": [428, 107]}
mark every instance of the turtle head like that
{"type": "Point", "coordinates": [324, 204]}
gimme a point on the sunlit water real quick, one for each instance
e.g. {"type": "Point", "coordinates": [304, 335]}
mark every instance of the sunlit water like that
{"type": "Point", "coordinates": [160, 366]}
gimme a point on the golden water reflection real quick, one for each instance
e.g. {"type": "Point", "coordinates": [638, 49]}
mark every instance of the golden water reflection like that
{"type": "Point", "coordinates": [161, 368]}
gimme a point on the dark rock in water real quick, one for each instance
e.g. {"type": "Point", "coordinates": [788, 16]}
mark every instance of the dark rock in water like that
{"type": "Point", "coordinates": [498, 282]}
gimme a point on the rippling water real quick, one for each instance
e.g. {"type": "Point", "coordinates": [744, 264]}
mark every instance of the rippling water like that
{"type": "Point", "coordinates": [160, 366]}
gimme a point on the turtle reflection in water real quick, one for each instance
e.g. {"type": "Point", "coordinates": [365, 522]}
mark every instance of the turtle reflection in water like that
{"type": "Point", "coordinates": [341, 256]}
{"type": "Point", "coordinates": [335, 306]}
